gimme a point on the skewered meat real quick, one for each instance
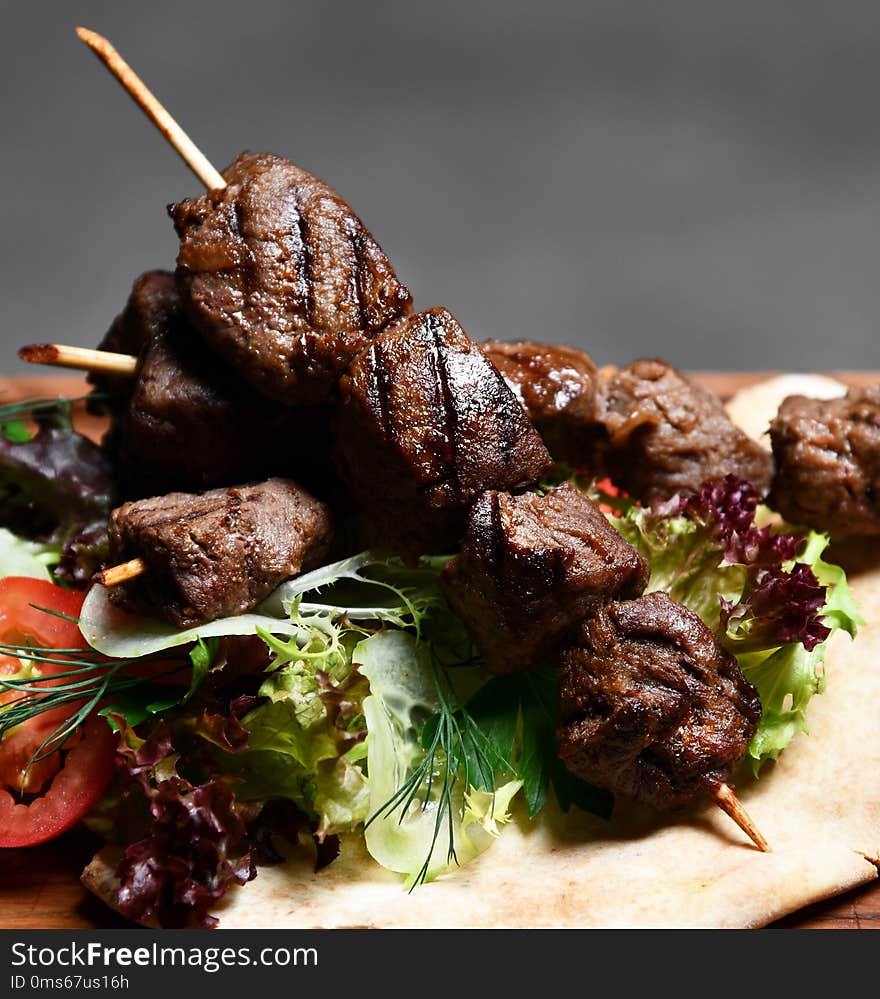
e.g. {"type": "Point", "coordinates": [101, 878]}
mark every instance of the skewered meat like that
{"type": "Point", "coordinates": [531, 568]}
{"type": "Point", "coordinates": [650, 706]}
{"type": "Point", "coordinates": [427, 424]}
{"type": "Point", "coordinates": [827, 455]}
{"type": "Point", "coordinates": [668, 435]}
{"type": "Point", "coordinates": [218, 553]}
{"type": "Point", "coordinates": [282, 279]}
{"type": "Point", "coordinates": [185, 420]}
{"type": "Point", "coordinates": [190, 424]}
{"type": "Point", "coordinates": [557, 387]}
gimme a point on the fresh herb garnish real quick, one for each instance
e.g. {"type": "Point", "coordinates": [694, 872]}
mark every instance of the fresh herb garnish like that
{"type": "Point", "coordinates": [457, 753]}
{"type": "Point", "coordinates": [80, 687]}
{"type": "Point", "coordinates": [505, 731]}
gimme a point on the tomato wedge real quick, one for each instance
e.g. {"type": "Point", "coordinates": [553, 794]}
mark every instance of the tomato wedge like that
{"type": "Point", "coordinates": [62, 788]}
{"type": "Point", "coordinates": [22, 621]}
{"type": "Point", "coordinates": [86, 771]}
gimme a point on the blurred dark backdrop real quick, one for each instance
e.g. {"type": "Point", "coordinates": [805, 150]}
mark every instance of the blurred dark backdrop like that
{"type": "Point", "coordinates": [699, 181]}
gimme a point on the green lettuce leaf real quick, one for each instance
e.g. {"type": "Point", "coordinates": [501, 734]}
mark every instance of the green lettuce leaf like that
{"type": "Point", "coordinates": [788, 676]}
{"type": "Point", "coordinates": [19, 557]}
{"type": "Point", "coordinates": [366, 587]}
{"type": "Point", "coordinates": [309, 718]}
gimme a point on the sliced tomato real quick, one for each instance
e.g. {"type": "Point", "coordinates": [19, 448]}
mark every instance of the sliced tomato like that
{"type": "Point", "coordinates": [62, 788]}
{"type": "Point", "coordinates": [22, 620]}
{"type": "Point", "coordinates": [75, 789]}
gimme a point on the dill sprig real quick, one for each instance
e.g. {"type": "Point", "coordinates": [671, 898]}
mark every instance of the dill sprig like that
{"type": "Point", "coordinates": [458, 754]}
{"type": "Point", "coordinates": [25, 408]}
{"type": "Point", "coordinates": [84, 684]}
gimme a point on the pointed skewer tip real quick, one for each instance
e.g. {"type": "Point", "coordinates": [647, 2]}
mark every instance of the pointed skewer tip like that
{"type": "Point", "coordinates": [194, 158]}
{"type": "Point", "coordinates": [728, 802]}
{"type": "Point", "coordinates": [38, 353]}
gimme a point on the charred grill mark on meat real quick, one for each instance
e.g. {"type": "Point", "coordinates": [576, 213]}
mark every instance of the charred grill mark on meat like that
{"type": "Point", "coordinates": [650, 706]}
{"type": "Point", "coordinates": [531, 568]}
{"type": "Point", "coordinates": [665, 434]}
{"type": "Point", "coordinates": [827, 455]}
{"type": "Point", "coordinates": [426, 424]}
{"type": "Point", "coordinates": [218, 553]}
{"type": "Point", "coordinates": [304, 267]}
{"type": "Point", "coordinates": [557, 387]}
{"type": "Point", "coordinates": [289, 321]}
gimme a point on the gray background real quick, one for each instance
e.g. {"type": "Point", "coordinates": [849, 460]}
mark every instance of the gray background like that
{"type": "Point", "coordinates": [699, 181]}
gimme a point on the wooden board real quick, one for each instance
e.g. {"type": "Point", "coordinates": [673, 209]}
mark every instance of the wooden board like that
{"type": "Point", "coordinates": [40, 889]}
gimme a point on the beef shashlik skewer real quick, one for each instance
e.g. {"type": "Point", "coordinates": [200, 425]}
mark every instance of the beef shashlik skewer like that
{"type": "Point", "coordinates": [651, 707]}
{"type": "Point", "coordinates": [434, 444]}
{"type": "Point", "coordinates": [217, 553]}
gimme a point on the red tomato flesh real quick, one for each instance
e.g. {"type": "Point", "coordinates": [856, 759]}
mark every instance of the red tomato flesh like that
{"type": "Point", "coordinates": [75, 789]}
{"type": "Point", "coordinates": [62, 788]}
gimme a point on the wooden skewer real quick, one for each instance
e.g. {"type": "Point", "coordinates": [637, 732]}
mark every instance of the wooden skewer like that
{"type": "Point", "coordinates": [728, 802]}
{"type": "Point", "coordinates": [121, 573]}
{"type": "Point", "coordinates": [186, 148]}
{"type": "Point", "coordinates": [60, 356]}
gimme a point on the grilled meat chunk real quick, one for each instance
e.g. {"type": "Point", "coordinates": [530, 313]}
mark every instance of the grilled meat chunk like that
{"type": "Point", "coordinates": [650, 706]}
{"type": "Point", "coordinates": [668, 435]}
{"type": "Point", "coordinates": [282, 279]}
{"type": "Point", "coordinates": [827, 454]}
{"type": "Point", "coordinates": [218, 553]}
{"type": "Point", "coordinates": [190, 424]}
{"type": "Point", "coordinates": [426, 424]}
{"type": "Point", "coordinates": [557, 387]}
{"type": "Point", "coordinates": [531, 568]}
{"type": "Point", "coordinates": [185, 420]}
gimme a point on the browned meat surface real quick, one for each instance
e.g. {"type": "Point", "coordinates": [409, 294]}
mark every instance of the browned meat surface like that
{"type": "Point", "coordinates": [531, 568]}
{"type": "Point", "coordinates": [152, 305]}
{"type": "Point", "coordinates": [557, 387]}
{"type": "Point", "coordinates": [650, 706]}
{"type": "Point", "coordinates": [191, 424]}
{"type": "Point", "coordinates": [282, 279]}
{"type": "Point", "coordinates": [185, 420]}
{"type": "Point", "coordinates": [218, 553]}
{"type": "Point", "coordinates": [427, 424]}
{"type": "Point", "coordinates": [827, 454]}
{"type": "Point", "coordinates": [668, 435]}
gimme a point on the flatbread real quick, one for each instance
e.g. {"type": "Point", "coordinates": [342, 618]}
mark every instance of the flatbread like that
{"type": "Point", "coordinates": [818, 806]}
